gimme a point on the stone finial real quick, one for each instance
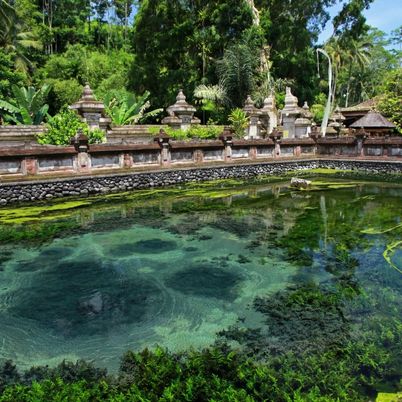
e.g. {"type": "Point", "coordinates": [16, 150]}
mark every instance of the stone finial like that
{"type": "Point", "coordinates": [80, 141]}
{"type": "Point", "coordinates": [290, 102]}
{"type": "Point", "coordinates": [269, 103]}
{"type": "Point", "coordinates": [337, 116]}
{"type": "Point", "coordinates": [181, 106]}
{"type": "Point", "coordinates": [361, 133]}
{"type": "Point", "coordinates": [306, 111]}
{"type": "Point", "coordinates": [88, 94]}
{"type": "Point", "coordinates": [336, 121]}
{"type": "Point", "coordinates": [249, 106]}
{"type": "Point", "coordinates": [276, 135]}
{"type": "Point", "coordinates": [162, 137]}
{"type": "Point", "coordinates": [181, 98]}
{"type": "Point", "coordinates": [181, 113]}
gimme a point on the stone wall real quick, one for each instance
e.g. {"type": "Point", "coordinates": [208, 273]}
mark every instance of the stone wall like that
{"type": "Point", "coordinates": [19, 136]}
{"type": "Point", "coordinates": [96, 185]}
{"type": "Point", "coordinates": [49, 159]}
{"type": "Point", "coordinates": [163, 152]}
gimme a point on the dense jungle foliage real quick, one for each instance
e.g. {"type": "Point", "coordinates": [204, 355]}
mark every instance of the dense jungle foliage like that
{"type": "Point", "coordinates": [217, 51]}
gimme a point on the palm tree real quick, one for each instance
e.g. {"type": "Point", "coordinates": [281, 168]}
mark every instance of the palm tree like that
{"type": "Point", "coordinates": [346, 56]}
{"type": "Point", "coordinates": [13, 38]}
{"type": "Point", "coordinates": [237, 72]}
{"type": "Point", "coordinates": [358, 54]}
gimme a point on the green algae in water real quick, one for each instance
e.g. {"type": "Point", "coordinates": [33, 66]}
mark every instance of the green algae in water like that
{"type": "Point", "coordinates": [272, 269]}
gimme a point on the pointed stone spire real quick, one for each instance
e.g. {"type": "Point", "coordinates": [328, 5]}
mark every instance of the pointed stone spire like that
{"type": "Point", "coordinates": [91, 111]}
{"type": "Point", "coordinates": [290, 102]}
{"type": "Point", "coordinates": [269, 114]}
{"type": "Point", "coordinates": [269, 103]}
{"type": "Point", "coordinates": [88, 94]}
{"type": "Point", "coordinates": [181, 114]}
{"type": "Point", "coordinates": [306, 111]}
{"type": "Point", "coordinates": [249, 106]}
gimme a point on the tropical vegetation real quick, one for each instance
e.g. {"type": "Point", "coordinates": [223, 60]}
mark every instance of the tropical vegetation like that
{"type": "Point", "coordinates": [150, 49]}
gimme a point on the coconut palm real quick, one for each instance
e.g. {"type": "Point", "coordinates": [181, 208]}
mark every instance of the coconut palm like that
{"type": "Point", "coordinates": [344, 56]}
{"type": "Point", "coordinates": [13, 38]}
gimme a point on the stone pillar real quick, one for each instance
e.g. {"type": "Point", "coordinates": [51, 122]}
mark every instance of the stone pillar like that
{"type": "Point", "coordinates": [276, 137]}
{"type": "Point", "coordinates": [289, 114]}
{"type": "Point", "coordinates": [128, 160]}
{"type": "Point", "coordinates": [252, 153]}
{"type": "Point", "coordinates": [227, 138]}
{"type": "Point", "coordinates": [315, 135]}
{"type": "Point", "coordinates": [83, 162]}
{"type": "Point", "coordinates": [163, 140]}
{"type": "Point", "coordinates": [253, 130]}
{"type": "Point", "coordinates": [81, 145]}
{"type": "Point", "coordinates": [30, 166]}
{"type": "Point", "coordinates": [361, 135]}
{"type": "Point", "coordinates": [269, 114]}
{"type": "Point", "coordinates": [198, 156]}
{"type": "Point", "coordinates": [303, 123]}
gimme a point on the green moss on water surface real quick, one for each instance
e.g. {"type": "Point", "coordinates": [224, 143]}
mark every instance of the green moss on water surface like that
{"type": "Point", "coordinates": [39, 212]}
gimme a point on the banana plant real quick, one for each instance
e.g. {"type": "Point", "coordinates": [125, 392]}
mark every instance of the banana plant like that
{"type": "Point", "coordinates": [28, 105]}
{"type": "Point", "coordinates": [126, 108]}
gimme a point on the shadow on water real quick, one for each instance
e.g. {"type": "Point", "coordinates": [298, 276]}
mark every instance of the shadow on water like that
{"type": "Point", "coordinates": [85, 298]}
{"type": "Point", "coordinates": [206, 280]}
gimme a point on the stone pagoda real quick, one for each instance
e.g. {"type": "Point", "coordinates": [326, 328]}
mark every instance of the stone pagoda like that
{"type": "Point", "coordinates": [289, 114]}
{"type": "Point", "coordinates": [269, 114]}
{"type": "Point", "coordinates": [253, 129]}
{"type": "Point", "coordinates": [181, 114]}
{"type": "Point", "coordinates": [335, 123]}
{"type": "Point", "coordinates": [92, 111]}
{"type": "Point", "coordinates": [303, 122]}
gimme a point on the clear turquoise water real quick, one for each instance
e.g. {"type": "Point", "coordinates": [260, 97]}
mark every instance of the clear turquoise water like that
{"type": "Point", "coordinates": [174, 268]}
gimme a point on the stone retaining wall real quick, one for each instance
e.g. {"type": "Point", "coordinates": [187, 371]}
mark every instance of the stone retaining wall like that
{"type": "Point", "coordinates": [26, 192]}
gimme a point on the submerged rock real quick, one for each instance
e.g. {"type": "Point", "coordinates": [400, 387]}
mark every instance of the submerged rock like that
{"type": "Point", "coordinates": [300, 183]}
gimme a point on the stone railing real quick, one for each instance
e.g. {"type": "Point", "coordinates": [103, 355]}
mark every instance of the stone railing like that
{"type": "Point", "coordinates": [163, 152]}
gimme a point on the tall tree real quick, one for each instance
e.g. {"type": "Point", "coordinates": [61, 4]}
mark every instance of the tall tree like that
{"type": "Point", "coordinates": [14, 38]}
{"type": "Point", "coordinates": [291, 28]}
{"type": "Point", "coordinates": [176, 43]}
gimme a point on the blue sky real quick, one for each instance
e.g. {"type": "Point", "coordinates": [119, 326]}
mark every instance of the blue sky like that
{"type": "Point", "coordinates": [385, 15]}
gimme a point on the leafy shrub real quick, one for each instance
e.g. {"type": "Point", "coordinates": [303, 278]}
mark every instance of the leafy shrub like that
{"type": "Point", "coordinates": [208, 132]}
{"type": "Point", "coordinates": [127, 108]}
{"type": "Point", "coordinates": [239, 121]}
{"type": "Point", "coordinates": [64, 125]}
{"type": "Point", "coordinates": [390, 102]}
{"type": "Point", "coordinates": [318, 107]}
{"type": "Point", "coordinates": [214, 374]}
{"type": "Point", "coordinates": [63, 92]}
{"type": "Point", "coordinates": [96, 136]}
